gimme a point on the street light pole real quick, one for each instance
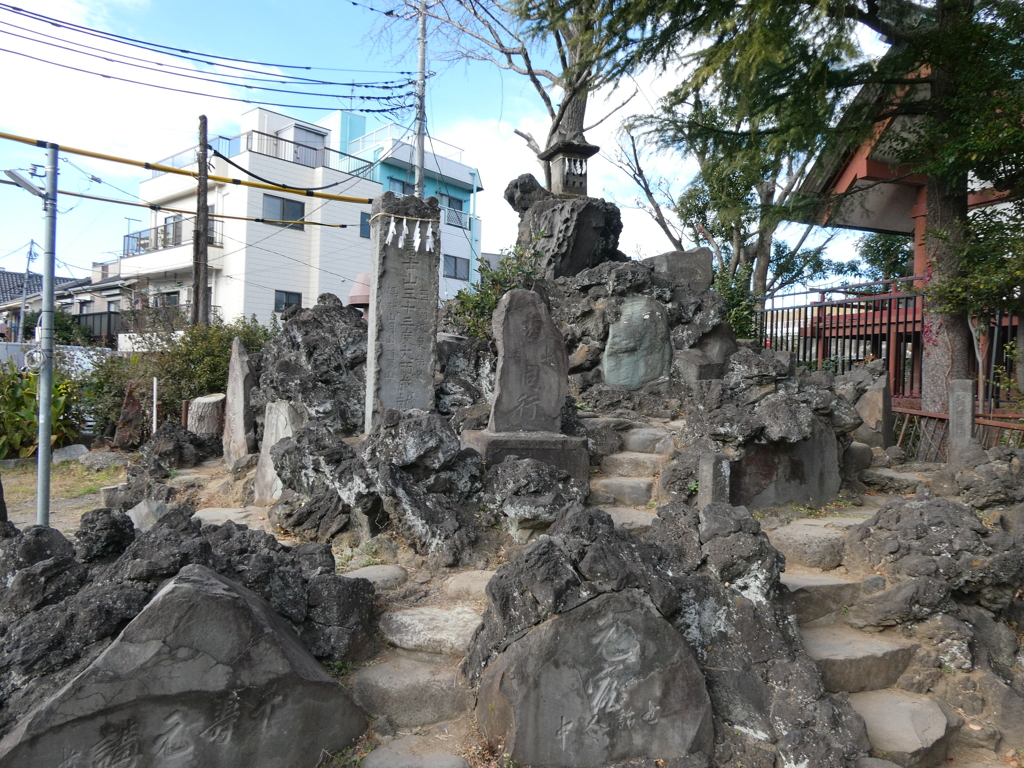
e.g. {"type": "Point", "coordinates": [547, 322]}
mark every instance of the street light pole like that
{"type": "Point", "coordinates": [46, 340]}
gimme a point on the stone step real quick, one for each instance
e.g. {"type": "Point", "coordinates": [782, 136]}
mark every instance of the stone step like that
{"type": "Point", "coordinates": [814, 595]}
{"type": "Point", "coordinates": [414, 752]}
{"type": "Point", "coordinates": [412, 691]}
{"type": "Point", "coordinates": [469, 585]}
{"type": "Point", "coordinates": [632, 464]}
{"type": "Point", "coordinates": [853, 661]}
{"type": "Point", "coordinates": [885, 480]}
{"type": "Point", "coordinates": [624, 491]}
{"type": "Point", "coordinates": [633, 520]}
{"type": "Point", "coordinates": [814, 543]}
{"type": "Point", "coordinates": [433, 629]}
{"type": "Point", "coordinates": [907, 728]}
{"type": "Point", "coordinates": [648, 440]}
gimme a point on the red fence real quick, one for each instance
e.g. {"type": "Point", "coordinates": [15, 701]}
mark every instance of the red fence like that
{"type": "Point", "coordinates": [837, 328]}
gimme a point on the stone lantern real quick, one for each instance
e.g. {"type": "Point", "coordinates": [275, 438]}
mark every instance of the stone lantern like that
{"type": "Point", "coordinates": [568, 160]}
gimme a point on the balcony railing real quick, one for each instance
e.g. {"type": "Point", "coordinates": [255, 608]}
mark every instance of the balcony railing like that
{"type": "Point", "coordinates": [460, 219]}
{"type": "Point", "coordinates": [171, 234]}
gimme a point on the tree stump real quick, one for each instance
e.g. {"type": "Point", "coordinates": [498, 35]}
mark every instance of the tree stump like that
{"type": "Point", "coordinates": [206, 415]}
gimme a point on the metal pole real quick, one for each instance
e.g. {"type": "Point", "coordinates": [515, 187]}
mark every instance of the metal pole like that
{"type": "Point", "coordinates": [155, 392]}
{"type": "Point", "coordinates": [46, 326]}
{"type": "Point", "coordinates": [421, 95]}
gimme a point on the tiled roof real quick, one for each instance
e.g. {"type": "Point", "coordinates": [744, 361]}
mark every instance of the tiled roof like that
{"type": "Point", "coordinates": [11, 284]}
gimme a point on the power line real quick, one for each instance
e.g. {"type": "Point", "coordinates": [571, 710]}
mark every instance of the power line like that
{"type": "Point", "coordinates": [280, 79]}
{"type": "Point", "coordinates": [19, 248]}
{"type": "Point", "coordinates": [389, 110]}
{"type": "Point", "coordinates": [388, 97]}
{"type": "Point", "coordinates": [176, 51]}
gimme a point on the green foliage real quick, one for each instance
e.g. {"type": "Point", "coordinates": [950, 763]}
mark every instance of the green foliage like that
{"type": "Point", "coordinates": [187, 365]}
{"type": "Point", "coordinates": [885, 256]}
{"type": "Point", "coordinates": [19, 413]}
{"type": "Point", "coordinates": [740, 310]}
{"type": "Point", "coordinates": [65, 329]}
{"type": "Point", "coordinates": [472, 307]}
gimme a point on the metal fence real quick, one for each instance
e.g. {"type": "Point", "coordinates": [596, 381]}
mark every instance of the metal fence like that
{"type": "Point", "coordinates": [101, 325]}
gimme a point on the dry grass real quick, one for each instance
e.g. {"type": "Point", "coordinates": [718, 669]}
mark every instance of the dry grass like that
{"type": "Point", "coordinates": [67, 481]}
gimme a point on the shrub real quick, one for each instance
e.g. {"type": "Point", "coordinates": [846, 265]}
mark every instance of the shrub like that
{"type": "Point", "coordinates": [65, 329]}
{"type": "Point", "coordinates": [19, 412]}
{"type": "Point", "coordinates": [187, 365]}
{"type": "Point", "coordinates": [471, 309]}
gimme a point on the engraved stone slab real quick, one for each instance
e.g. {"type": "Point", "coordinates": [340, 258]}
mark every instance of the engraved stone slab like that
{"type": "Point", "coordinates": [608, 681]}
{"type": "Point", "coordinates": [639, 348]}
{"type": "Point", "coordinates": [206, 675]}
{"type": "Point", "coordinates": [713, 471]}
{"type": "Point", "coordinates": [961, 416]}
{"type": "Point", "coordinates": [406, 241]}
{"type": "Point", "coordinates": [533, 368]}
{"type": "Point", "coordinates": [280, 420]}
{"type": "Point", "coordinates": [239, 430]}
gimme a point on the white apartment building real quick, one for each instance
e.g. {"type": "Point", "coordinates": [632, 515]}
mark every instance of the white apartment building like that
{"type": "Point", "coordinates": [261, 268]}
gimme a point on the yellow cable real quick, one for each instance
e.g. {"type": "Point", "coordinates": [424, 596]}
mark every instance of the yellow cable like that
{"type": "Point", "coordinates": [182, 172]}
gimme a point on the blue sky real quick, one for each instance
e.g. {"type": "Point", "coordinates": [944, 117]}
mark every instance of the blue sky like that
{"type": "Point", "coordinates": [472, 105]}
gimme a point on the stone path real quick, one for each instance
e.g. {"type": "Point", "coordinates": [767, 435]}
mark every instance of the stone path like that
{"type": "Point", "coordinates": [908, 729]}
{"type": "Point", "coordinates": [626, 486]}
{"type": "Point", "coordinates": [422, 707]}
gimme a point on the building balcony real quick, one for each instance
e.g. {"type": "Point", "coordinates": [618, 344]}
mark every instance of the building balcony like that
{"type": "Point", "coordinates": [169, 235]}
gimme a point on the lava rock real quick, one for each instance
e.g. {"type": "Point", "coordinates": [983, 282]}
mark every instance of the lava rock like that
{"type": "Point", "coordinates": [318, 363]}
{"type": "Point", "coordinates": [224, 682]}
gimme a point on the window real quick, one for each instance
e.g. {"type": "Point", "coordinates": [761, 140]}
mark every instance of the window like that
{"type": "Point", "coordinates": [401, 187]}
{"type": "Point", "coordinates": [364, 225]}
{"type": "Point", "coordinates": [114, 306]}
{"type": "Point", "coordinates": [447, 201]}
{"type": "Point", "coordinates": [283, 209]}
{"type": "Point", "coordinates": [285, 299]}
{"type": "Point", "coordinates": [85, 307]}
{"type": "Point", "coordinates": [166, 299]}
{"type": "Point", "coordinates": [456, 267]}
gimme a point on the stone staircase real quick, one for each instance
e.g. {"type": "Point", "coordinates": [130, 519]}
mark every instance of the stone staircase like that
{"type": "Point", "coordinates": [413, 689]}
{"type": "Point", "coordinates": [904, 728]}
{"type": "Point", "coordinates": [626, 485]}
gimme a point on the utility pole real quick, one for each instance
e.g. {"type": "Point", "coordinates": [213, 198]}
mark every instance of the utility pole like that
{"type": "Point", "coordinates": [421, 99]}
{"type": "Point", "coordinates": [46, 324]}
{"type": "Point", "coordinates": [200, 251]}
{"type": "Point", "coordinates": [24, 289]}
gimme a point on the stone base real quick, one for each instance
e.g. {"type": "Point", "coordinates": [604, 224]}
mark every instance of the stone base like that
{"type": "Point", "coordinates": [562, 451]}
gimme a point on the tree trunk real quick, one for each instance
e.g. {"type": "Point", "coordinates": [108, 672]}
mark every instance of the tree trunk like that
{"type": "Point", "coordinates": [946, 336]}
{"type": "Point", "coordinates": [206, 415]}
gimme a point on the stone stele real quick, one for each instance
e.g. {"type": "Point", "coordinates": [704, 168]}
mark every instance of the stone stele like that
{"type": "Point", "coordinates": [533, 369]}
{"type": "Point", "coordinates": [239, 428]}
{"type": "Point", "coordinates": [406, 240]}
{"type": "Point", "coordinates": [281, 419]}
{"type": "Point", "coordinates": [206, 675]}
{"type": "Point", "coordinates": [605, 682]}
{"type": "Point", "coordinates": [639, 349]}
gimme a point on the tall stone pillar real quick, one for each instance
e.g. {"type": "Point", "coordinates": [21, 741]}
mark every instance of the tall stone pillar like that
{"type": "Point", "coordinates": [961, 419]}
{"type": "Point", "coordinates": [406, 240]}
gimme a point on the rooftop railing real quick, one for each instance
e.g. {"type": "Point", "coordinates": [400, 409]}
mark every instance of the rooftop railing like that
{"type": "Point", "coordinates": [269, 145]}
{"type": "Point", "coordinates": [397, 133]}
